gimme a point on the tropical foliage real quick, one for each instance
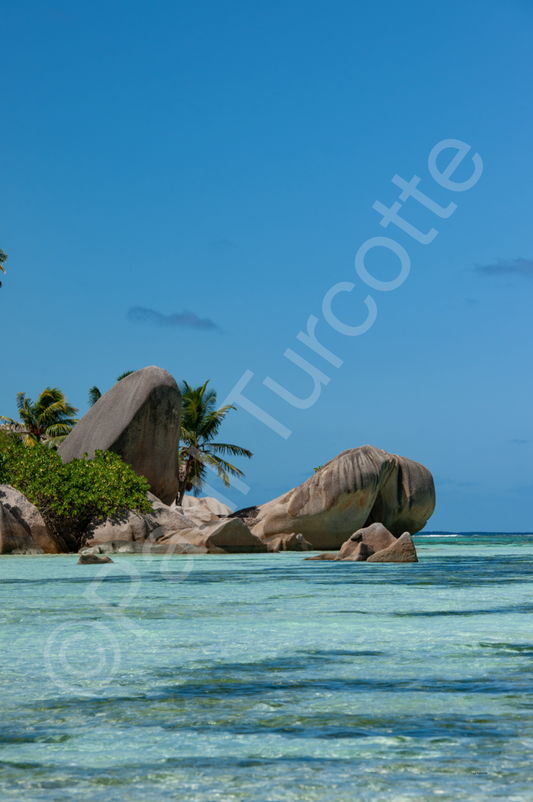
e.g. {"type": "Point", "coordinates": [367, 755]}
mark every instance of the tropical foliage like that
{"type": "Point", "coordinates": [69, 496]}
{"type": "Point", "coordinates": [95, 394]}
{"type": "Point", "coordinates": [48, 420]}
{"type": "Point", "coordinates": [3, 258]}
{"type": "Point", "coordinates": [200, 424]}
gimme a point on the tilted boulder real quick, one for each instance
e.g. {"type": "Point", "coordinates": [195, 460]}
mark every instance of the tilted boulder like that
{"type": "Point", "coordinates": [342, 496]}
{"type": "Point", "coordinates": [402, 551]}
{"type": "Point", "coordinates": [230, 535]}
{"type": "Point", "coordinates": [374, 537]}
{"type": "Point", "coordinates": [28, 514]}
{"type": "Point", "coordinates": [15, 537]}
{"type": "Point", "coordinates": [139, 419]}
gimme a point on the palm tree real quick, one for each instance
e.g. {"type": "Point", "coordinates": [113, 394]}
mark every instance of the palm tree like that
{"type": "Point", "coordinates": [48, 420]}
{"type": "Point", "coordinates": [95, 394]}
{"type": "Point", "coordinates": [3, 257]}
{"type": "Point", "coordinates": [200, 422]}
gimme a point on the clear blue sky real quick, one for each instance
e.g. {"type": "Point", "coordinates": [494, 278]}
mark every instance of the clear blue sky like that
{"type": "Point", "coordinates": [182, 183]}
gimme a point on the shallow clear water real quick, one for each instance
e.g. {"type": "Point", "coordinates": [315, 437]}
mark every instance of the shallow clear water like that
{"type": "Point", "coordinates": [264, 677]}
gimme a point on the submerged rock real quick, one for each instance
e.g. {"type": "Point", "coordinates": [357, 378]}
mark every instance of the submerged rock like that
{"type": "Point", "coordinates": [326, 556]}
{"type": "Point", "coordinates": [93, 559]}
{"type": "Point", "coordinates": [139, 419]}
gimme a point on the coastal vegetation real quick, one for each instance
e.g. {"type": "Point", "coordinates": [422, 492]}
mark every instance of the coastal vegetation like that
{"type": "Point", "coordinates": [200, 423]}
{"type": "Point", "coordinates": [48, 420]}
{"type": "Point", "coordinates": [70, 495]}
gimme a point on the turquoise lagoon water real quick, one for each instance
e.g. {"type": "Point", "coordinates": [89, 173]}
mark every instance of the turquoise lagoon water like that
{"type": "Point", "coordinates": [264, 677]}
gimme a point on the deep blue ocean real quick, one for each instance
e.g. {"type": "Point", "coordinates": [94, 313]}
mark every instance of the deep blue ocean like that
{"type": "Point", "coordinates": [265, 677]}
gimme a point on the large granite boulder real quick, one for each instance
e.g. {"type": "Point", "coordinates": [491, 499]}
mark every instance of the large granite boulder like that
{"type": "Point", "coordinates": [139, 419]}
{"type": "Point", "coordinates": [15, 537]}
{"type": "Point", "coordinates": [352, 491]}
{"type": "Point", "coordinates": [406, 500]}
{"type": "Point", "coordinates": [28, 514]}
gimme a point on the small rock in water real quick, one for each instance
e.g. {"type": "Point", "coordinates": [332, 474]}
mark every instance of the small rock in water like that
{"type": "Point", "coordinates": [403, 551]}
{"type": "Point", "coordinates": [91, 559]}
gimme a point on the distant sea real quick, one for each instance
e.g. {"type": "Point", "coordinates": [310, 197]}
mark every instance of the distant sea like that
{"type": "Point", "coordinates": [268, 678]}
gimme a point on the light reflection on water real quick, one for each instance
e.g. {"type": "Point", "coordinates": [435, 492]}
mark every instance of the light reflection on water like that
{"type": "Point", "coordinates": [264, 677]}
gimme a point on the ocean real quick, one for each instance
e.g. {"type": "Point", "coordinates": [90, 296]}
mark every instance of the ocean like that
{"type": "Point", "coordinates": [266, 677]}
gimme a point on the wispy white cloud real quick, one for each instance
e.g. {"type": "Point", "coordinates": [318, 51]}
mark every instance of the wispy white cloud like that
{"type": "Point", "coordinates": [508, 267]}
{"type": "Point", "coordinates": [186, 319]}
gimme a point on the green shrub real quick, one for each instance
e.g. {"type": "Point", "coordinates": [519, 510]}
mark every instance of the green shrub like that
{"type": "Point", "coordinates": [70, 495]}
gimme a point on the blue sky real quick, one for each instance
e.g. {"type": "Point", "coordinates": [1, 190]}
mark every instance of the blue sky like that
{"type": "Point", "coordinates": [183, 183]}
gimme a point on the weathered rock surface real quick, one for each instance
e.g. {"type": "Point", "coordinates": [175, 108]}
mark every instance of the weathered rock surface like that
{"type": "Point", "coordinates": [215, 506]}
{"type": "Point", "coordinates": [326, 556]}
{"type": "Point", "coordinates": [231, 535]}
{"type": "Point", "coordinates": [139, 419]}
{"type": "Point", "coordinates": [93, 559]}
{"type": "Point", "coordinates": [128, 526]}
{"type": "Point", "coordinates": [375, 537]}
{"type": "Point", "coordinates": [359, 554]}
{"type": "Point", "coordinates": [350, 492]}
{"type": "Point", "coordinates": [15, 537]}
{"type": "Point", "coordinates": [293, 542]}
{"type": "Point", "coordinates": [406, 501]}
{"type": "Point", "coordinates": [27, 513]}
{"type": "Point", "coordinates": [402, 551]}
{"type": "Point", "coordinates": [146, 547]}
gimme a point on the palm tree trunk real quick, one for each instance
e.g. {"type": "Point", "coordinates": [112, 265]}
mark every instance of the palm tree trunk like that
{"type": "Point", "coordinates": [183, 484]}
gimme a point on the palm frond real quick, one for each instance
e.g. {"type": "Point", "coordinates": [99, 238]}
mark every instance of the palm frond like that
{"type": "Point", "coordinates": [61, 429]}
{"type": "Point", "coordinates": [9, 421]}
{"type": "Point", "coordinates": [227, 448]}
{"type": "Point", "coordinates": [54, 442]}
{"type": "Point", "coordinates": [94, 395]}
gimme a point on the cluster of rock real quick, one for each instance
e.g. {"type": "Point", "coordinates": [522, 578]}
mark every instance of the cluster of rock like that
{"type": "Point", "coordinates": [359, 487]}
{"type": "Point", "coordinates": [374, 544]}
{"type": "Point", "coordinates": [139, 419]}
{"type": "Point", "coordinates": [200, 526]}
